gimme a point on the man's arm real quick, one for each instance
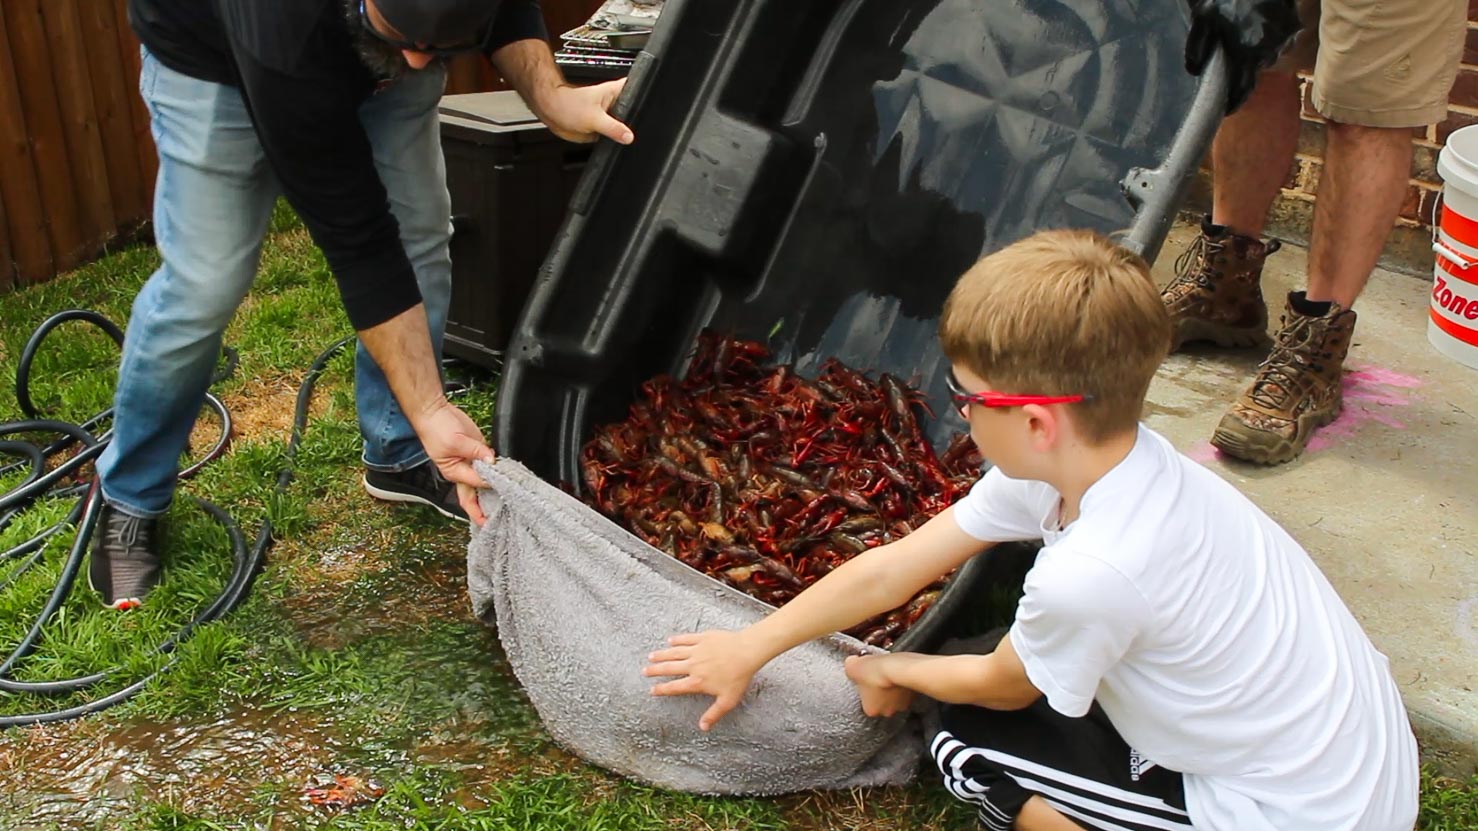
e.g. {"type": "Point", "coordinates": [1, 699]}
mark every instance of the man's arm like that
{"type": "Point", "coordinates": [312, 137]}
{"type": "Point", "coordinates": [401, 346]}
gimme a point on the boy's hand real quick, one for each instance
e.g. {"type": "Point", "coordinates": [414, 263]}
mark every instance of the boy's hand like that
{"type": "Point", "coordinates": [715, 663]}
{"type": "Point", "coordinates": [880, 696]}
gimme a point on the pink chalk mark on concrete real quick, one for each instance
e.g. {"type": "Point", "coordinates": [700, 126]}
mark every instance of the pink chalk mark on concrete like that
{"type": "Point", "coordinates": [1202, 452]}
{"type": "Point", "coordinates": [1372, 394]}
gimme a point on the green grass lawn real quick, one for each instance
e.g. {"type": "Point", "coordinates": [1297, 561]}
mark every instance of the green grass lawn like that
{"type": "Point", "coordinates": [356, 654]}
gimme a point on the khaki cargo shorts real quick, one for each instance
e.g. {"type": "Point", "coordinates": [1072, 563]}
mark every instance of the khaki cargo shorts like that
{"type": "Point", "coordinates": [1380, 63]}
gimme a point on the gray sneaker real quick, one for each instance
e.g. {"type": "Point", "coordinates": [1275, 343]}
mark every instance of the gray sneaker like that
{"type": "Point", "coordinates": [125, 558]}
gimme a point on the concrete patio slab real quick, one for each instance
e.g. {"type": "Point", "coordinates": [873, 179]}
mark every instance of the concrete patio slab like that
{"type": "Point", "coordinates": [1385, 499]}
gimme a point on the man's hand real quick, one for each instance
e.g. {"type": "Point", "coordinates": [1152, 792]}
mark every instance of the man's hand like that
{"type": "Point", "coordinates": [1250, 32]}
{"type": "Point", "coordinates": [573, 113]}
{"type": "Point", "coordinates": [880, 696]}
{"type": "Point", "coordinates": [581, 114]}
{"type": "Point", "coordinates": [716, 663]}
{"type": "Point", "coordinates": [453, 442]}
{"type": "Point", "coordinates": [402, 348]}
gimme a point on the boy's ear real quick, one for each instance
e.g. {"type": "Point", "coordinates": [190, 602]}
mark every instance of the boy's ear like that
{"type": "Point", "coordinates": [1043, 425]}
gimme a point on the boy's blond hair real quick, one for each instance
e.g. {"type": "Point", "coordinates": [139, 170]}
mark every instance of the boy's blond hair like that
{"type": "Point", "coordinates": [1058, 313]}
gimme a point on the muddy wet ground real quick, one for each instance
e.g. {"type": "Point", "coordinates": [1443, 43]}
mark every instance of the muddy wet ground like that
{"type": "Point", "coordinates": [431, 707]}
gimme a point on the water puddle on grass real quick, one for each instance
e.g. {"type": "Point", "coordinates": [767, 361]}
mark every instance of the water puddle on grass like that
{"type": "Point", "coordinates": [405, 686]}
{"type": "Point", "coordinates": [70, 779]}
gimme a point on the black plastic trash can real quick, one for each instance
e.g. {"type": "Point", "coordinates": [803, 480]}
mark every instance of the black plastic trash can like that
{"type": "Point", "coordinates": [817, 175]}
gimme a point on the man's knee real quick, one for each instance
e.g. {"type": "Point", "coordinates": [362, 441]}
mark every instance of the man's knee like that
{"type": "Point", "coordinates": [189, 308]}
{"type": "Point", "coordinates": [429, 247]}
{"type": "Point", "coordinates": [1339, 130]}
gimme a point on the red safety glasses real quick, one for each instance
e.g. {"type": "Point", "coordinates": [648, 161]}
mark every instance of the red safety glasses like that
{"type": "Point", "coordinates": [1002, 399]}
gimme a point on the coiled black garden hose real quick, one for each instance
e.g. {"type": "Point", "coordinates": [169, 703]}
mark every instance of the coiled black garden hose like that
{"type": "Point", "coordinates": [246, 561]}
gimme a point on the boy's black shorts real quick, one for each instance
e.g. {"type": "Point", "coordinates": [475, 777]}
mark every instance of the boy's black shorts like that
{"type": "Point", "coordinates": [996, 760]}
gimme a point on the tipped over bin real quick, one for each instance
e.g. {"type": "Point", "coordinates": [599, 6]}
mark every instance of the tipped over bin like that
{"type": "Point", "coordinates": [816, 176]}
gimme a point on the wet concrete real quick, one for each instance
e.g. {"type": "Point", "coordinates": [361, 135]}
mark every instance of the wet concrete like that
{"type": "Point", "coordinates": [1385, 499]}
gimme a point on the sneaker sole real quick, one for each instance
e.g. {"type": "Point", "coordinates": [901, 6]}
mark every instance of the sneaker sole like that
{"type": "Point", "coordinates": [1237, 439]}
{"type": "Point", "coordinates": [397, 496]}
{"type": "Point", "coordinates": [1192, 330]}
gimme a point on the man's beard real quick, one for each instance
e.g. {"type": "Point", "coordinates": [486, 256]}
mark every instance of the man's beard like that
{"type": "Point", "coordinates": [383, 60]}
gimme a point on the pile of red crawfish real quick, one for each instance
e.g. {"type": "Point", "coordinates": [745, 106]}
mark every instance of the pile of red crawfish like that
{"type": "Point", "coordinates": [767, 480]}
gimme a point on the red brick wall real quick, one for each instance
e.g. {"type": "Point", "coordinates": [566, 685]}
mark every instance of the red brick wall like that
{"type": "Point", "coordinates": [1421, 195]}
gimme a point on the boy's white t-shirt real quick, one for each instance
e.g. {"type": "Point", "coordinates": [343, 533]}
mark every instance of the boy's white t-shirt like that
{"type": "Point", "coordinates": [1213, 643]}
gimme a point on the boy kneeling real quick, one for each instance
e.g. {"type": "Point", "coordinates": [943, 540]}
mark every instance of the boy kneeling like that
{"type": "Point", "coordinates": [1177, 660]}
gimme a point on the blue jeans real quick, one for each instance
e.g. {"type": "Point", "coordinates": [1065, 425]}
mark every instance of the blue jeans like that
{"type": "Point", "coordinates": [212, 203]}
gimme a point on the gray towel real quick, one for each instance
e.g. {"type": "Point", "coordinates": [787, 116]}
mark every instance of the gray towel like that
{"type": "Point", "coordinates": [579, 602]}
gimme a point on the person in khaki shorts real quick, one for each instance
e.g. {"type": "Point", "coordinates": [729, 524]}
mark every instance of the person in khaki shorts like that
{"type": "Point", "coordinates": [1381, 68]}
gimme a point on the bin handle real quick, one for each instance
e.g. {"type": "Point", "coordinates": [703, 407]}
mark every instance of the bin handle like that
{"type": "Point", "coordinates": [1156, 194]}
{"type": "Point", "coordinates": [1449, 254]}
{"type": "Point", "coordinates": [1452, 256]}
{"type": "Point", "coordinates": [1437, 217]}
{"type": "Point", "coordinates": [603, 158]}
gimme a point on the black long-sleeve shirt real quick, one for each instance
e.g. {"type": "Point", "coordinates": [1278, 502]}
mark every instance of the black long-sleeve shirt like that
{"type": "Point", "coordinates": [295, 64]}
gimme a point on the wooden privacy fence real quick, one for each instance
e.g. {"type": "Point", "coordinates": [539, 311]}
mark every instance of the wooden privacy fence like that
{"type": "Point", "coordinates": [77, 161]}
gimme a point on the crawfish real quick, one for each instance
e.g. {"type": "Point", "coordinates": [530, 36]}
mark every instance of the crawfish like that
{"type": "Point", "coordinates": [754, 562]}
{"type": "Point", "coordinates": [957, 454]}
{"type": "Point", "coordinates": [853, 499]}
{"type": "Point", "coordinates": [717, 532]}
{"type": "Point", "coordinates": [899, 403]}
{"type": "Point", "coordinates": [810, 391]}
{"type": "Point", "coordinates": [854, 382]}
{"type": "Point", "coordinates": [829, 521]}
{"type": "Point", "coordinates": [884, 634]}
{"type": "Point", "coordinates": [606, 442]}
{"type": "Point", "coordinates": [892, 473]}
{"type": "Point", "coordinates": [595, 473]}
{"type": "Point", "coordinates": [768, 480]}
{"type": "Point", "coordinates": [897, 445]}
{"type": "Point", "coordinates": [810, 508]}
{"type": "Point", "coordinates": [713, 465]}
{"type": "Point", "coordinates": [716, 500]}
{"type": "Point", "coordinates": [792, 476]}
{"type": "Point", "coordinates": [847, 542]}
{"type": "Point", "coordinates": [860, 524]}
{"type": "Point", "coordinates": [832, 391]}
{"type": "Point", "coordinates": [921, 603]}
{"type": "Point", "coordinates": [684, 523]}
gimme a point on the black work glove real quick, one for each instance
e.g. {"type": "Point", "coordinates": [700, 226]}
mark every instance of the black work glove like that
{"type": "Point", "coordinates": [1250, 32]}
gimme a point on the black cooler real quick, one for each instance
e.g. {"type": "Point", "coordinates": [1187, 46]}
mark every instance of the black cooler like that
{"type": "Point", "coordinates": [510, 181]}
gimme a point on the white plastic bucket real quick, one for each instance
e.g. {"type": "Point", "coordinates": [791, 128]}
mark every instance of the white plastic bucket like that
{"type": "Point", "coordinates": [1453, 324]}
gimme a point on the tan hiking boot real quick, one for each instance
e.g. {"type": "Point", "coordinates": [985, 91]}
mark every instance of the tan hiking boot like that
{"type": "Point", "coordinates": [1216, 295]}
{"type": "Point", "coordinates": [1297, 389]}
